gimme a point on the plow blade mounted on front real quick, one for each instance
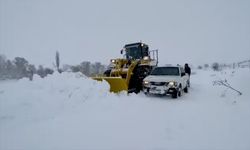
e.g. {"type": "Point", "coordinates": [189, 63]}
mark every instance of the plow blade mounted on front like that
{"type": "Point", "coordinates": [117, 84]}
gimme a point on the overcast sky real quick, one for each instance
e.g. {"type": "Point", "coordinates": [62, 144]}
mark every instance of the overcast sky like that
{"type": "Point", "coordinates": [193, 31]}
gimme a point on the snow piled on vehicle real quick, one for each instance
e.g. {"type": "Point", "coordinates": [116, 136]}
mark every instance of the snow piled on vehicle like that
{"type": "Point", "coordinates": [72, 111]}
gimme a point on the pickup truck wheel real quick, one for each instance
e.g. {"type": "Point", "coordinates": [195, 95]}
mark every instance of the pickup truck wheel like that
{"type": "Point", "coordinates": [180, 91]}
{"type": "Point", "coordinates": [188, 83]}
{"type": "Point", "coordinates": [186, 89]}
{"type": "Point", "coordinates": [175, 94]}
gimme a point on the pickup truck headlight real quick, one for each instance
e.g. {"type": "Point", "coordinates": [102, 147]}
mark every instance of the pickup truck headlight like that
{"type": "Point", "coordinates": [146, 83]}
{"type": "Point", "coordinates": [172, 84]}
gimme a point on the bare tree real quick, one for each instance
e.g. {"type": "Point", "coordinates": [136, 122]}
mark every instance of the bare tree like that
{"type": "Point", "coordinates": [199, 67]}
{"type": "Point", "coordinates": [85, 68]}
{"type": "Point", "coordinates": [2, 66]}
{"type": "Point", "coordinates": [21, 69]}
{"type": "Point", "coordinates": [206, 66]}
{"type": "Point", "coordinates": [215, 66]}
{"type": "Point", "coordinates": [58, 62]}
{"type": "Point", "coordinates": [226, 84]}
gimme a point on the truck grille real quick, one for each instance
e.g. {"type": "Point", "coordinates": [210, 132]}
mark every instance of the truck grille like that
{"type": "Point", "coordinates": [158, 83]}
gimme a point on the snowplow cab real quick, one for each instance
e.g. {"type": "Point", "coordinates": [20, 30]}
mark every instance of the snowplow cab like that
{"type": "Point", "coordinates": [136, 51]}
{"type": "Point", "coordinates": [127, 73]}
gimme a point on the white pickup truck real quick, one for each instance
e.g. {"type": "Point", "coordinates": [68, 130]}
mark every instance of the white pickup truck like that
{"type": "Point", "coordinates": [166, 80]}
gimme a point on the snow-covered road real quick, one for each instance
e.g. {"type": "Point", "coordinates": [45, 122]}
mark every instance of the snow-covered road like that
{"type": "Point", "coordinates": [69, 111]}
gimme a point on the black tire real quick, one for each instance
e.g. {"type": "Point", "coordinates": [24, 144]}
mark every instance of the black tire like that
{"type": "Point", "coordinates": [107, 72]}
{"type": "Point", "coordinates": [186, 89]}
{"type": "Point", "coordinates": [188, 83]}
{"type": "Point", "coordinates": [180, 91]}
{"type": "Point", "coordinates": [175, 94]}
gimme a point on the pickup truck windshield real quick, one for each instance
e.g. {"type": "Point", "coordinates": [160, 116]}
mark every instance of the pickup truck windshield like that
{"type": "Point", "coordinates": [173, 71]}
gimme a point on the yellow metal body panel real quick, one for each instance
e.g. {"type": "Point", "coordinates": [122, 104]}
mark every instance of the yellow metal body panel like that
{"type": "Point", "coordinates": [117, 84]}
{"type": "Point", "coordinates": [120, 76]}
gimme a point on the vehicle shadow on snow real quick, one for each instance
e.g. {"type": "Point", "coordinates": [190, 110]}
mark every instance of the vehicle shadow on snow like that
{"type": "Point", "coordinates": [184, 96]}
{"type": "Point", "coordinates": [165, 97]}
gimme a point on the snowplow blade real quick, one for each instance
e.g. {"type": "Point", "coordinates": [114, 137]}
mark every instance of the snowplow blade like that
{"type": "Point", "coordinates": [117, 84]}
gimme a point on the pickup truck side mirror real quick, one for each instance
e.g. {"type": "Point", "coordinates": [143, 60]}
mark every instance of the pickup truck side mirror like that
{"type": "Point", "coordinates": [183, 74]}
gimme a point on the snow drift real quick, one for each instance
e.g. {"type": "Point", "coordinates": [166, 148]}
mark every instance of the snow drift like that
{"type": "Point", "coordinates": [71, 111]}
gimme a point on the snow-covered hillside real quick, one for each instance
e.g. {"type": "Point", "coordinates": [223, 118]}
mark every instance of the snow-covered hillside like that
{"type": "Point", "coordinates": [69, 111]}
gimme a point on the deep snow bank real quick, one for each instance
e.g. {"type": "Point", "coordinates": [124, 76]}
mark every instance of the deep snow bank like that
{"type": "Point", "coordinates": [70, 111]}
{"type": "Point", "coordinates": [44, 98]}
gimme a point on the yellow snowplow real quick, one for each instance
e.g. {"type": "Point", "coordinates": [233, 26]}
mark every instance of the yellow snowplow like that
{"type": "Point", "coordinates": [127, 73]}
{"type": "Point", "coordinates": [118, 84]}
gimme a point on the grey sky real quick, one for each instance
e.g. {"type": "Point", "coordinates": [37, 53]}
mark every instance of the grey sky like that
{"type": "Point", "coordinates": [194, 31]}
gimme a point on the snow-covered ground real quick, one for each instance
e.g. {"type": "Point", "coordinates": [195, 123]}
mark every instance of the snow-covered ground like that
{"type": "Point", "coordinates": [69, 111]}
